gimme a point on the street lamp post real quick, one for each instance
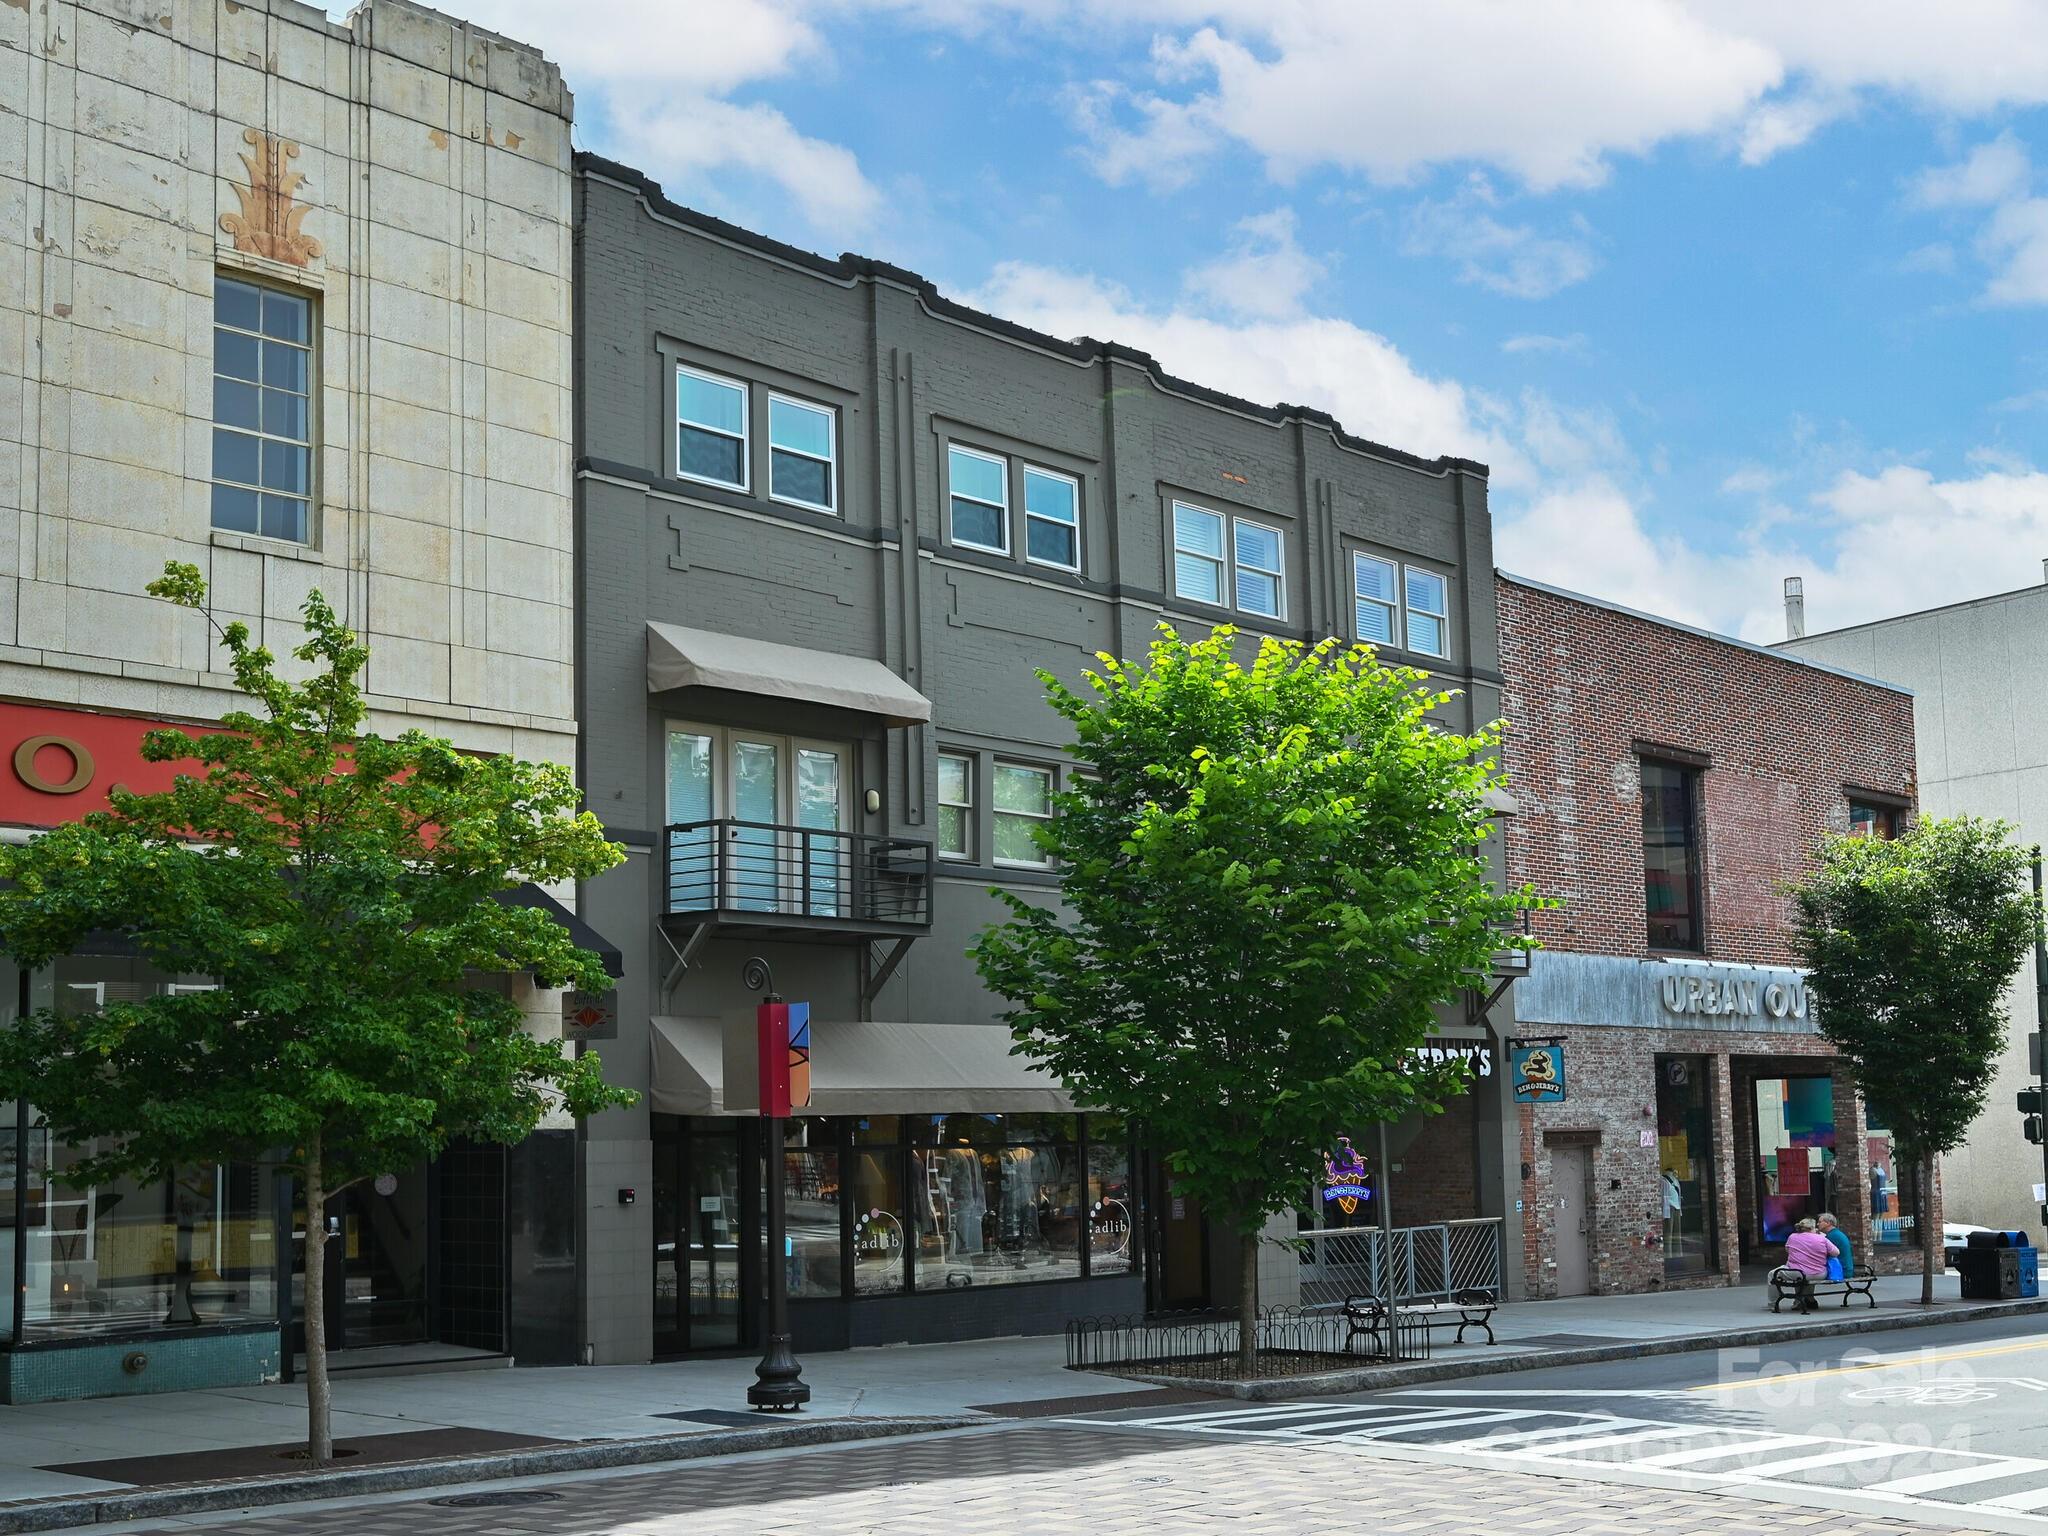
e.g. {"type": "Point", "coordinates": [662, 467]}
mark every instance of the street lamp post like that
{"type": "Point", "coordinates": [778, 1386]}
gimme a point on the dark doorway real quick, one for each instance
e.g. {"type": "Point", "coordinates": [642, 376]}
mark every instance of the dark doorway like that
{"type": "Point", "coordinates": [707, 1183]}
{"type": "Point", "coordinates": [1180, 1258]}
{"type": "Point", "coordinates": [376, 1260]}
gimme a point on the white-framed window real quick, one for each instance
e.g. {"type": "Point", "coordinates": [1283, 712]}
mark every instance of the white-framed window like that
{"type": "Point", "coordinates": [1231, 562]}
{"type": "Point", "coordinates": [711, 428]}
{"type": "Point", "coordinates": [1022, 799]}
{"type": "Point", "coordinates": [956, 806]}
{"type": "Point", "coordinates": [1375, 597]}
{"type": "Point", "coordinates": [1260, 574]}
{"type": "Point", "coordinates": [978, 485]}
{"type": "Point", "coordinates": [1198, 564]}
{"type": "Point", "coordinates": [1429, 628]}
{"type": "Point", "coordinates": [803, 453]}
{"type": "Point", "coordinates": [1052, 519]}
{"type": "Point", "coordinates": [262, 410]}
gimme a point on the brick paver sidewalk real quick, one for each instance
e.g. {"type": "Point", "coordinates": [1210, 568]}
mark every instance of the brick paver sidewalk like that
{"type": "Point", "coordinates": [1056, 1480]}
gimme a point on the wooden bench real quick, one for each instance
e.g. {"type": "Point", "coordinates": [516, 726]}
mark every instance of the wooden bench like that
{"type": "Point", "coordinates": [1784, 1286]}
{"type": "Point", "coordinates": [1367, 1315]}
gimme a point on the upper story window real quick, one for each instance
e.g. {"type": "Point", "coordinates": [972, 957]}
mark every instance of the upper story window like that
{"type": "Point", "coordinates": [711, 429]}
{"type": "Point", "coordinates": [1375, 609]}
{"type": "Point", "coordinates": [262, 410]}
{"type": "Point", "coordinates": [1251, 578]}
{"type": "Point", "coordinates": [956, 806]}
{"type": "Point", "coordinates": [1867, 820]}
{"type": "Point", "coordinates": [979, 488]}
{"type": "Point", "coordinates": [1400, 605]}
{"type": "Point", "coordinates": [1052, 519]}
{"type": "Point", "coordinates": [1671, 855]}
{"type": "Point", "coordinates": [803, 453]}
{"type": "Point", "coordinates": [1023, 800]}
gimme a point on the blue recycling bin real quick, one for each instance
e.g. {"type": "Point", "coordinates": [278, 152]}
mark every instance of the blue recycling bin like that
{"type": "Point", "coordinates": [2030, 1270]}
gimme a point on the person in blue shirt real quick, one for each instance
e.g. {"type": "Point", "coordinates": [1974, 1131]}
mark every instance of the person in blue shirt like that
{"type": "Point", "coordinates": [1832, 1231]}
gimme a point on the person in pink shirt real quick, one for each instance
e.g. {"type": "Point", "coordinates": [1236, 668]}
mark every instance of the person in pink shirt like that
{"type": "Point", "coordinates": [1807, 1252]}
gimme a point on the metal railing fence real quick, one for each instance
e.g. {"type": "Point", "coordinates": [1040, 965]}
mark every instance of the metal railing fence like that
{"type": "Point", "coordinates": [1429, 1263]}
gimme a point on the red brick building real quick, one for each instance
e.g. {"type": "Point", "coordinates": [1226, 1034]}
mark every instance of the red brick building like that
{"type": "Point", "coordinates": [1670, 783]}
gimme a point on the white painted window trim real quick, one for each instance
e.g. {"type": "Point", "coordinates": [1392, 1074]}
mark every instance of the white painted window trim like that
{"type": "Point", "coordinates": [1279, 575]}
{"type": "Point", "coordinates": [1391, 605]}
{"type": "Point", "coordinates": [830, 461]}
{"type": "Point", "coordinates": [967, 760]}
{"type": "Point", "coordinates": [953, 493]}
{"type": "Point", "coordinates": [1442, 618]}
{"type": "Point", "coordinates": [1074, 485]}
{"type": "Point", "coordinates": [745, 435]}
{"type": "Point", "coordinates": [1221, 562]}
{"type": "Point", "coordinates": [1052, 785]}
{"type": "Point", "coordinates": [310, 444]}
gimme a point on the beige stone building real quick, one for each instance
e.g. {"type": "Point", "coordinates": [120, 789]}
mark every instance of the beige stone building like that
{"type": "Point", "coordinates": [288, 299]}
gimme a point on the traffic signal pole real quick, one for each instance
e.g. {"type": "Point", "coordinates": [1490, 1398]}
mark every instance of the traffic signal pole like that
{"type": "Point", "coordinates": [2037, 1068]}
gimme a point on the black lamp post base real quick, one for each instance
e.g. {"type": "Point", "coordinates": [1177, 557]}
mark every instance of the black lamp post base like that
{"type": "Point", "coordinates": [778, 1386]}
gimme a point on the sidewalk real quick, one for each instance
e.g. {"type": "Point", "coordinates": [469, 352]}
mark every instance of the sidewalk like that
{"type": "Point", "coordinates": [653, 1412]}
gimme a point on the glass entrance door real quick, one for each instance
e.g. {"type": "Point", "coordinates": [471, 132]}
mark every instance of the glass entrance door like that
{"type": "Point", "coordinates": [784, 801]}
{"type": "Point", "coordinates": [376, 1262]}
{"type": "Point", "coordinates": [705, 1200]}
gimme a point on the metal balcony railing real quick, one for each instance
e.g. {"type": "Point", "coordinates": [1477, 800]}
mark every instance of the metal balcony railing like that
{"type": "Point", "coordinates": [783, 876]}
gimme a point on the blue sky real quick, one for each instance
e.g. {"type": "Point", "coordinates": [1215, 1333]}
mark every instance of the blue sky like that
{"type": "Point", "coordinates": [1724, 291]}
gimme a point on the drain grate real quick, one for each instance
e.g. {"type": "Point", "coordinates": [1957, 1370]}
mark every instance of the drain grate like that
{"type": "Point", "coordinates": [499, 1500]}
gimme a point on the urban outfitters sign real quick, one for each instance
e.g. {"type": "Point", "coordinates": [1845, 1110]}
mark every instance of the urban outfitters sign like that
{"type": "Point", "coordinates": [1719, 994]}
{"type": "Point", "coordinates": [1628, 992]}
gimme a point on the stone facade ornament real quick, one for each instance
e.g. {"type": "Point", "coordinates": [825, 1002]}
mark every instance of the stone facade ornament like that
{"type": "Point", "coordinates": [271, 219]}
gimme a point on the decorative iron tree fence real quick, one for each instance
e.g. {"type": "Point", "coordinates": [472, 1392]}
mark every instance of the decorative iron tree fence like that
{"type": "Point", "coordinates": [1291, 1343]}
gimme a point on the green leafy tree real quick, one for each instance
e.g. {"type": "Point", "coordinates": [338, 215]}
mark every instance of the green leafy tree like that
{"type": "Point", "coordinates": [1271, 879]}
{"type": "Point", "coordinates": [338, 887]}
{"type": "Point", "coordinates": [1910, 944]}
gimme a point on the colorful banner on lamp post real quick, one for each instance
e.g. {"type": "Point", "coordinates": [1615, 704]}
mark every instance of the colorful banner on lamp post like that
{"type": "Point", "coordinates": [783, 1041]}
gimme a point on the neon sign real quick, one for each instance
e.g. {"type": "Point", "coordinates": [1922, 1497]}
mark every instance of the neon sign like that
{"type": "Point", "coordinates": [1346, 1181]}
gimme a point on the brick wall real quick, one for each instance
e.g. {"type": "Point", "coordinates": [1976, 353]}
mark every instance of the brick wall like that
{"type": "Point", "coordinates": [1585, 684]}
{"type": "Point", "coordinates": [1586, 690]}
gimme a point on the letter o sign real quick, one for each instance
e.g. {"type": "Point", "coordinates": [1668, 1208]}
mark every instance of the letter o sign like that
{"type": "Point", "coordinates": [25, 765]}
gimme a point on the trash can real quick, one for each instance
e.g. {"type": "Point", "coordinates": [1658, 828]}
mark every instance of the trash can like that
{"type": "Point", "coordinates": [1991, 1273]}
{"type": "Point", "coordinates": [2030, 1270]}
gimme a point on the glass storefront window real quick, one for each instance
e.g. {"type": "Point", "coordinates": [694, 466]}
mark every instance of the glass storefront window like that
{"type": "Point", "coordinates": [1795, 1152]}
{"type": "Point", "coordinates": [880, 1232]}
{"type": "Point", "coordinates": [1112, 1206]}
{"type": "Point", "coordinates": [810, 1194]}
{"type": "Point", "coordinates": [999, 1201]}
{"type": "Point", "coordinates": [1685, 1164]}
{"type": "Point", "coordinates": [1894, 1188]}
{"type": "Point", "coordinates": [197, 1247]}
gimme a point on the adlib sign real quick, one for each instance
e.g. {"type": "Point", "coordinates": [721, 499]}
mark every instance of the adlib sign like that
{"type": "Point", "coordinates": [1629, 993]}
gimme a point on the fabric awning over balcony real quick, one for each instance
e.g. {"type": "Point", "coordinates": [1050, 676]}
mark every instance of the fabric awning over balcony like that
{"type": "Point", "coordinates": [700, 658]}
{"type": "Point", "coordinates": [876, 1068]}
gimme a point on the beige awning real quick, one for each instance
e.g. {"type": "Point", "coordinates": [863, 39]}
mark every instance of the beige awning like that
{"type": "Point", "coordinates": [701, 1068]}
{"type": "Point", "coordinates": [699, 658]}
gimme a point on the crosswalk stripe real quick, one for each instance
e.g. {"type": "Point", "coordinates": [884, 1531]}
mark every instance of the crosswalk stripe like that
{"type": "Point", "coordinates": [1984, 1472]}
{"type": "Point", "coordinates": [2032, 1498]}
{"type": "Point", "coordinates": [1714, 1452]}
{"type": "Point", "coordinates": [1602, 1441]}
{"type": "Point", "coordinates": [1522, 1437]}
{"type": "Point", "coordinates": [1257, 1417]}
{"type": "Point", "coordinates": [1776, 1469]}
{"type": "Point", "coordinates": [1384, 1431]}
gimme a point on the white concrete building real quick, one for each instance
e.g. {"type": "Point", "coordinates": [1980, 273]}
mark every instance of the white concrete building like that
{"type": "Point", "coordinates": [290, 300]}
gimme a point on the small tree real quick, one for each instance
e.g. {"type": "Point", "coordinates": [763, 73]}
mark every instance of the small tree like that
{"type": "Point", "coordinates": [337, 886]}
{"type": "Point", "coordinates": [1910, 945]}
{"type": "Point", "coordinates": [1272, 879]}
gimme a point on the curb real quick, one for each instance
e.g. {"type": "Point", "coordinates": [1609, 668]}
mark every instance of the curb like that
{"type": "Point", "coordinates": [1375, 1378]}
{"type": "Point", "coordinates": [398, 1477]}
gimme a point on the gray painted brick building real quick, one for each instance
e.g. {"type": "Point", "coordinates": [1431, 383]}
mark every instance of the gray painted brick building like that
{"type": "Point", "coordinates": [923, 503]}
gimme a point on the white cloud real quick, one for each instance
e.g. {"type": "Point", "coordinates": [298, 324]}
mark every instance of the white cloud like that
{"type": "Point", "coordinates": [1991, 173]}
{"type": "Point", "coordinates": [2015, 242]}
{"type": "Point", "coordinates": [663, 74]}
{"type": "Point", "coordinates": [1511, 259]}
{"type": "Point", "coordinates": [1266, 274]}
{"type": "Point", "coordinates": [1551, 95]}
{"type": "Point", "coordinates": [1573, 344]}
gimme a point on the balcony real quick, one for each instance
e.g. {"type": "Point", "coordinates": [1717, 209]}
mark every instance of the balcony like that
{"type": "Point", "coordinates": [796, 882]}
